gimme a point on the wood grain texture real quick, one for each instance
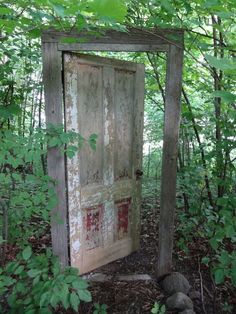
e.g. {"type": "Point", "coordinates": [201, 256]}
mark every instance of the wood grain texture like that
{"type": "Point", "coordinates": [137, 154]}
{"type": "Point", "coordinates": [111, 40]}
{"type": "Point", "coordinates": [113, 47]}
{"type": "Point", "coordinates": [100, 95]}
{"type": "Point", "coordinates": [124, 102]}
{"type": "Point", "coordinates": [169, 158]}
{"type": "Point", "coordinates": [52, 79]}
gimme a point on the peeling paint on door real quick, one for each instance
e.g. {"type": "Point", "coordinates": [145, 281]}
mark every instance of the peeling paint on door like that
{"type": "Point", "coordinates": [123, 209]}
{"type": "Point", "coordinates": [92, 221]}
{"type": "Point", "coordinates": [105, 97]}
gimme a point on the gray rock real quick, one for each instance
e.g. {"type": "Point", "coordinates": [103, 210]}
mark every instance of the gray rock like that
{"type": "Point", "coordinates": [187, 312]}
{"type": "Point", "coordinates": [179, 301]}
{"type": "Point", "coordinates": [175, 282]}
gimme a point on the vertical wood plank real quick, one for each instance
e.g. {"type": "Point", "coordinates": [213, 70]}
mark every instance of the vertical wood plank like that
{"type": "Point", "coordinates": [110, 217]}
{"type": "Point", "coordinates": [90, 121]}
{"type": "Point", "coordinates": [124, 99]}
{"type": "Point", "coordinates": [169, 158]}
{"type": "Point", "coordinates": [138, 116]}
{"type": "Point", "coordinates": [52, 77]}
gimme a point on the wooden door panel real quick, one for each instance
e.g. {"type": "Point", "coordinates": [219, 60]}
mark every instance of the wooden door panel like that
{"type": "Point", "coordinates": [90, 122]}
{"type": "Point", "coordinates": [124, 98]}
{"type": "Point", "coordinates": [105, 97]}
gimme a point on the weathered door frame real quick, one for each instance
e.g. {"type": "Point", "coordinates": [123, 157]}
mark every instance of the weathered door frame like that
{"type": "Point", "coordinates": [136, 40]}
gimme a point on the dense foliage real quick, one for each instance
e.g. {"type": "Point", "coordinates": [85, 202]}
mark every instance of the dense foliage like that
{"type": "Point", "coordinates": [207, 150]}
{"type": "Point", "coordinates": [37, 284]}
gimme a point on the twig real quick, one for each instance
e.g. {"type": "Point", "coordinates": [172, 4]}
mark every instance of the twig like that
{"type": "Point", "coordinates": [201, 286]}
{"type": "Point", "coordinates": [208, 292]}
{"type": "Point", "coordinates": [215, 293]}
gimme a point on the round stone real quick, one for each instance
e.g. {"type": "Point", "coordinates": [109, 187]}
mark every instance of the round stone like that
{"type": "Point", "coordinates": [179, 301]}
{"type": "Point", "coordinates": [175, 282]}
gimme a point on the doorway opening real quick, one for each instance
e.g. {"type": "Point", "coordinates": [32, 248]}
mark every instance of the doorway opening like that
{"type": "Point", "coordinates": [134, 40]}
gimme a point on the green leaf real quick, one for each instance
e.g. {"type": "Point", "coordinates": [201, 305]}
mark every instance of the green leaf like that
{"type": "Point", "coordinates": [93, 141]}
{"type": "Point", "coordinates": [226, 96]}
{"type": "Point", "coordinates": [223, 64]}
{"type": "Point", "coordinates": [64, 295]}
{"type": "Point", "coordinates": [33, 273]}
{"type": "Point", "coordinates": [54, 300]}
{"type": "Point", "coordinates": [19, 270]}
{"type": "Point", "coordinates": [27, 252]}
{"type": "Point", "coordinates": [214, 243]}
{"type": "Point", "coordinates": [74, 301]}
{"type": "Point", "coordinates": [36, 280]}
{"type": "Point", "coordinates": [68, 40]}
{"type": "Point", "coordinates": [224, 258]}
{"type": "Point", "coordinates": [53, 142]}
{"type": "Point", "coordinates": [233, 276]}
{"type": "Point", "coordinates": [12, 300]}
{"type": "Point", "coordinates": [205, 260]}
{"type": "Point", "coordinates": [229, 230]}
{"type": "Point", "coordinates": [168, 6]}
{"type": "Point", "coordinates": [4, 10]}
{"type": "Point", "coordinates": [59, 10]}
{"type": "Point", "coordinates": [79, 285]}
{"type": "Point", "coordinates": [219, 275]}
{"type": "Point", "coordinates": [34, 33]}
{"type": "Point", "coordinates": [70, 278]}
{"type": "Point", "coordinates": [44, 299]}
{"type": "Point", "coordinates": [113, 9]}
{"type": "Point", "coordinates": [85, 295]}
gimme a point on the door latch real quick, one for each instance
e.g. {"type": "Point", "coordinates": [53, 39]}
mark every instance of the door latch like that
{"type": "Point", "coordinates": [139, 173]}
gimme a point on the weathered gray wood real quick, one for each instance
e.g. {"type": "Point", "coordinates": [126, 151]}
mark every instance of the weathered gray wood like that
{"type": "Point", "coordinates": [93, 60]}
{"type": "Point", "coordinates": [133, 36]}
{"type": "Point", "coordinates": [137, 153]}
{"type": "Point", "coordinates": [100, 277]}
{"type": "Point", "coordinates": [112, 47]}
{"type": "Point", "coordinates": [52, 78]}
{"type": "Point", "coordinates": [169, 158]}
{"type": "Point", "coordinates": [101, 96]}
{"type": "Point", "coordinates": [124, 101]}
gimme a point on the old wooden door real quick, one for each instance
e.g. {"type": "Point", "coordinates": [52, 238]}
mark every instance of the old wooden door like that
{"type": "Point", "coordinates": [104, 96]}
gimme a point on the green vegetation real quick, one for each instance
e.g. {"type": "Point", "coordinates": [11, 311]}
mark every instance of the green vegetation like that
{"type": "Point", "coordinates": [36, 284]}
{"type": "Point", "coordinates": [206, 191]}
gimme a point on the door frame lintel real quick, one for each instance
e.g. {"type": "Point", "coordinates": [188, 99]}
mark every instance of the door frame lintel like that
{"type": "Point", "coordinates": [170, 41]}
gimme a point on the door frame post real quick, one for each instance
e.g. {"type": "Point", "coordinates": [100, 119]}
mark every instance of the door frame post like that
{"type": "Point", "coordinates": [169, 158]}
{"type": "Point", "coordinates": [54, 108]}
{"type": "Point", "coordinates": [139, 40]}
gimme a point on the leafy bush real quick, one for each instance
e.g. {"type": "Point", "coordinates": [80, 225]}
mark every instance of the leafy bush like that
{"type": "Point", "coordinates": [25, 187]}
{"type": "Point", "coordinates": [100, 308]}
{"type": "Point", "coordinates": [158, 308]}
{"type": "Point", "coordinates": [36, 283]}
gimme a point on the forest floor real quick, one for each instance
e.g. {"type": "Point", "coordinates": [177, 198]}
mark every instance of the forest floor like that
{"type": "Point", "coordinates": [138, 297]}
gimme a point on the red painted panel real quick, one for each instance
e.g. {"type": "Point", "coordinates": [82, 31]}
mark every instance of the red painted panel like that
{"type": "Point", "coordinates": [92, 222]}
{"type": "Point", "coordinates": [123, 207]}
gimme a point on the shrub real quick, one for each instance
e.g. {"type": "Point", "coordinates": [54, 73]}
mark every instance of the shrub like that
{"type": "Point", "coordinates": [37, 284]}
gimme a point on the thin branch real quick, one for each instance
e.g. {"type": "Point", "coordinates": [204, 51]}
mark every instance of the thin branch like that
{"type": "Point", "coordinates": [201, 287]}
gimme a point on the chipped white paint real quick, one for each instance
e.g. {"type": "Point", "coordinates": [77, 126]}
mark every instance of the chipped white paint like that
{"type": "Point", "coordinates": [73, 182]}
{"type": "Point", "coordinates": [76, 246]}
{"type": "Point", "coordinates": [99, 98]}
{"type": "Point", "coordinates": [109, 225]}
